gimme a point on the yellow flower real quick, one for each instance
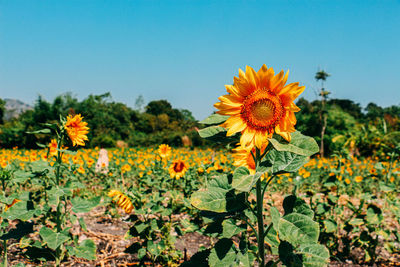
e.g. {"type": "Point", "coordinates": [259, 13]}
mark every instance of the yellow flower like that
{"type": "Point", "coordinates": [164, 151]}
{"type": "Point", "coordinates": [126, 168]}
{"type": "Point", "coordinates": [259, 104]}
{"type": "Point", "coordinates": [358, 179]}
{"type": "Point", "coordinates": [121, 200]}
{"type": "Point", "coordinates": [76, 129]}
{"type": "Point", "coordinates": [242, 157]}
{"type": "Point", "coordinates": [53, 147]}
{"type": "Point", "coordinates": [81, 170]}
{"type": "Point", "coordinates": [347, 180]}
{"type": "Point", "coordinates": [178, 168]}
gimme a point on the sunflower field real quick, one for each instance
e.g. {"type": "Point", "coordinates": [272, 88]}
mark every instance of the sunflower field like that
{"type": "Point", "coordinates": [261, 196]}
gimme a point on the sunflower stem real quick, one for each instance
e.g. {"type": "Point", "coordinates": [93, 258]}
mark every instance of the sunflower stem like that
{"type": "Point", "coordinates": [260, 222]}
{"type": "Point", "coordinates": [260, 217]}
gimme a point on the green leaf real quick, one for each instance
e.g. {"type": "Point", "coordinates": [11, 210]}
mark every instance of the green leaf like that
{"type": "Point", "coordinates": [141, 253]}
{"type": "Point", "coordinates": [214, 119]}
{"type": "Point", "coordinates": [20, 230]}
{"type": "Point", "coordinates": [298, 229]}
{"type": "Point", "coordinates": [41, 166]}
{"type": "Point", "coordinates": [275, 217]}
{"type": "Point", "coordinates": [21, 176]}
{"type": "Point", "coordinates": [223, 254]}
{"type": "Point", "coordinates": [229, 228]}
{"type": "Point", "coordinates": [245, 259]}
{"type": "Point", "coordinates": [374, 214]}
{"type": "Point", "coordinates": [53, 239]}
{"type": "Point", "coordinates": [314, 255]}
{"type": "Point", "coordinates": [299, 144]}
{"type": "Point", "coordinates": [141, 227]}
{"type": "Point", "coordinates": [219, 197]}
{"type": "Point", "coordinates": [244, 181]}
{"type": "Point", "coordinates": [289, 157]}
{"type": "Point", "coordinates": [330, 226]}
{"type": "Point", "coordinates": [287, 255]}
{"type": "Point", "coordinates": [211, 131]}
{"type": "Point", "coordinates": [272, 240]}
{"type": "Point", "coordinates": [283, 161]}
{"type": "Point", "coordinates": [82, 223]}
{"type": "Point", "coordinates": [294, 204]}
{"type": "Point", "coordinates": [218, 134]}
{"type": "Point", "coordinates": [42, 131]}
{"type": "Point", "coordinates": [84, 205]}
{"type": "Point", "coordinates": [219, 201]}
{"type": "Point", "coordinates": [20, 210]}
{"type": "Point", "coordinates": [85, 250]}
{"type": "Point", "coordinates": [356, 222]}
{"type": "Point", "coordinates": [386, 188]}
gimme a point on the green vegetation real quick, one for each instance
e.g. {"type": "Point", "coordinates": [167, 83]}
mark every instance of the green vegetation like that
{"type": "Point", "coordinates": [372, 131]}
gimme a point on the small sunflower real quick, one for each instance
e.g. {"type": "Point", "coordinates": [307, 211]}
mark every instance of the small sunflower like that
{"type": "Point", "coordinates": [242, 157]}
{"type": "Point", "coordinates": [178, 169]}
{"type": "Point", "coordinates": [53, 147]}
{"type": "Point", "coordinates": [260, 104]}
{"type": "Point", "coordinates": [121, 200]}
{"type": "Point", "coordinates": [77, 129]}
{"type": "Point", "coordinates": [164, 151]}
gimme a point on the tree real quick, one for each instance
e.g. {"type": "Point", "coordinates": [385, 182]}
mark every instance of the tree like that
{"type": "Point", "coordinates": [2, 110]}
{"type": "Point", "coordinates": [158, 107]}
{"type": "Point", "coordinates": [323, 116]}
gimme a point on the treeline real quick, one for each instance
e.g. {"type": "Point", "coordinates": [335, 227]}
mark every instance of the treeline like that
{"type": "Point", "coordinates": [372, 131]}
{"type": "Point", "coordinates": [109, 122]}
{"type": "Point", "coordinates": [369, 131]}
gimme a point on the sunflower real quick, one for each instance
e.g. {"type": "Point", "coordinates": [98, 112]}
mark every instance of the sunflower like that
{"type": "Point", "coordinates": [77, 129]}
{"type": "Point", "coordinates": [53, 147]}
{"type": "Point", "coordinates": [243, 157]}
{"type": "Point", "coordinates": [121, 200]}
{"type": "Point", "coordinates": [260, 104]}
{"type": "Point", "coordinates": [178, 168]}
{"type": "Point", "coordinates": [164, 151]}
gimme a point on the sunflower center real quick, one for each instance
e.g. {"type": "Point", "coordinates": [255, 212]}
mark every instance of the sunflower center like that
{"type": "Point", "coordinates": [262, 110]}
{"type": "Point", "coordinates": [178, 166]}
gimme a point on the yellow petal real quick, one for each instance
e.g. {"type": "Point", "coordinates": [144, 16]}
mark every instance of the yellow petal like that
{"type": "Point", "coordinates": [247, 137]}
{"type": "Point", "coordinates": [252, 77]}
{"type": "Point", "coordinates": [260, 139]}
{"type": "Point", "coordinates": [285, 135]}
{"type": "Point", "coordinates": [230, 112]}
{"type": "Point", "coordinates": [234, 124]}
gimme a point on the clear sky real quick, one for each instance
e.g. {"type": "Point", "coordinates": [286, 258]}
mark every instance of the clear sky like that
{"type": "Point", "coordinates": [186, 51]}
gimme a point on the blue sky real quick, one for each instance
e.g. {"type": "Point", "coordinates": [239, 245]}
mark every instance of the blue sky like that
{"type": "Point", "coordinates": [186, 51]}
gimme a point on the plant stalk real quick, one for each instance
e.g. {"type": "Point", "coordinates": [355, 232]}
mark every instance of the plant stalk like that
{"type": "Point", "coordinates": [260, 222]}
{"type": "Point", "coordinates": [5, 253]}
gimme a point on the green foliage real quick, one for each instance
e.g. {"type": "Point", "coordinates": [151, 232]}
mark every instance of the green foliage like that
{"type": "Point", "coordinates": [107, 120]}
{"type": "Point", "coordinates": [373, 132]}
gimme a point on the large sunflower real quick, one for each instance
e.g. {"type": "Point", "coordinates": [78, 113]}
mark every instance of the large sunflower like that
{"type": "Point", "coordinates": [77, 129]}
{"type": "Point", "coordinates": [259, 104]}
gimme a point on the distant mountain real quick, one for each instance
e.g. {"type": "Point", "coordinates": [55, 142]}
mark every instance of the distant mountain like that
{"type": "Point", "coordinates": [14, 108]}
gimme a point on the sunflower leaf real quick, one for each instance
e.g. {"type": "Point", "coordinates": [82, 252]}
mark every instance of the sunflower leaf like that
{"type": "Point", "coordinates": [244, 181]}
{"type": "Point", "coordinates": [214, 119]}
{"type": "Point", "coordinates": [300, 144]}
